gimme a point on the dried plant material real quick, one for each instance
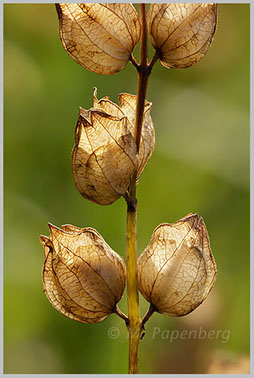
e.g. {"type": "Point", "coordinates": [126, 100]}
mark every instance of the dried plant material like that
{"type": "Point", "coordinates": [100, 37]}
{"type": "Point", "coordinates": [147, 141]}
{"type": "Point", "coordinates": [83, 277]}
{"type": "Point", "coordinates": [105, 155]}
{"type": "Point", "coordinates": [181, 33]}
{"type": "Point", "coordinates": [177, 270]}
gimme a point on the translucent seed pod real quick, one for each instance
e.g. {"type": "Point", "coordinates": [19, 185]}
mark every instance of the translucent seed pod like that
{"type": "Point", "coordinates": [100, 37]}
{"type": "Point", "coordinates": [105, 154]}
{"type": "Point", "coordinates": [177, 270]}
{"type": "Point", "coordinates": [83, 277]}
{"type": "Point", "coordinates": [181, 33]}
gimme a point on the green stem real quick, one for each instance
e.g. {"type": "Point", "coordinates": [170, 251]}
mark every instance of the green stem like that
{"type": "Point", "coordinates": [134, 325]}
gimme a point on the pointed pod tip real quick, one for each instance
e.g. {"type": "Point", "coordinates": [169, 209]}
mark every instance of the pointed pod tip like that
{"type": "Point", "coordinates": [44, 239]}
{"type": "Point", "coordinates": [84, 117]}
{"type": "Point", "coordinates": [191, 215]}
{"type": "Point", "coordinates": [47, 244]}
{"type": "Point", "coordinates": [193, 218]}
{"type": "Point", "coordinates": [83, 111]}
{"type": "Point", "coordinates": [50, 225]}
{"type": "Point", "coordinates": [203, 227]}
{"type": "Point", "coordinates": [66, 227]}
{"type": "Point", "coordinates": [53, 229]}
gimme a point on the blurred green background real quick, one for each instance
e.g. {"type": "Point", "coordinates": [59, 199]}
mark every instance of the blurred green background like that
{"type": "Point", "coordinates": [200, 164]}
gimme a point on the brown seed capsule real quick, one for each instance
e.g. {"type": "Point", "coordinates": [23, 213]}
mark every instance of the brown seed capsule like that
{"type": "Point", "coordinates": [100, 37]}
{"type": "Point", "coordinates": [147, 141]}
{"type": "Point", "coordinates": [177, 270]}
{"type": "Point", "coordinates": [181, 33]}
{"type": "Point", "coordinates": [105, 155]}
{"type": "Point", "coordinates": [83, 277]}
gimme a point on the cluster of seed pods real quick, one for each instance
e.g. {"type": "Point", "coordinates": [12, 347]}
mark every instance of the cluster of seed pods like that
{"type": "Point", "coordinates": [83, 277]}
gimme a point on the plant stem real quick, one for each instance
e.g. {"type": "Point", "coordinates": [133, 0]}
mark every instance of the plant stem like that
{"type": "Point", "coordinates": [143, 76]}
{"type": "Point", "coordinates": [121, 315]}
{"type": "Point", "coordinates": [135, 323]}
{"type": "Point", "coordinates": [148, 315]}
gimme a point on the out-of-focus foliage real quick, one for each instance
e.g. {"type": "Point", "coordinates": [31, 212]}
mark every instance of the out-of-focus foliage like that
{"type": "Point", "coordinates": [200, 165]}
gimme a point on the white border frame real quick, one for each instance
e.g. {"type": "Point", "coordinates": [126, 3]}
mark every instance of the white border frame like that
{"type": "Point", "coordinates": [251, 2]}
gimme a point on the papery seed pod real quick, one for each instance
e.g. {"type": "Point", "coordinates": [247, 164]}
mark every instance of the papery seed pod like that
{"type": "Point", "coordinates": [147, 141]}
{"type": "Point", "coordinates": [83, 277]}
{"type": "Point", "coordinates": [100, 37]}
{"type": "Point", "coordinates": [181, 33]}
{"type": "Point", "coordinates": [177, 270]}
{"type": "Point", "coordinates": [105, 155]}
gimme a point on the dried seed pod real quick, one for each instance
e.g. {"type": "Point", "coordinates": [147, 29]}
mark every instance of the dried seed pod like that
{"type": "Point", "coordinates": [177, 270]}
{"type": "Point", "coordinates": [147, 141]}
{"type": "Point", "coordinates": [105, 155]}
{"type": "Point", "coordinates": [83, 277]}
{"type": "Point", "coordinates": [181, 33]}
{"type": "Point", "coordinates": [100, 37]}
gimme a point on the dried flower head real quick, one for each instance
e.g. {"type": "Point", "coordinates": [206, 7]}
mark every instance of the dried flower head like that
{"type": "Point", "coordinates": [181, 33]}
{"type": "Point", "coordinates": [177, 270]}
{"type": "Point", "coordinates": [105, 154]}
{"type": "Point", "coordinates": [83, 277]}
{"type": "Point", "coordinates": [100, 37]}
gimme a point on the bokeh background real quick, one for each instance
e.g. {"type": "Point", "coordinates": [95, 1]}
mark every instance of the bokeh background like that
{"type": "Point", "coordinates": [200, 164]}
